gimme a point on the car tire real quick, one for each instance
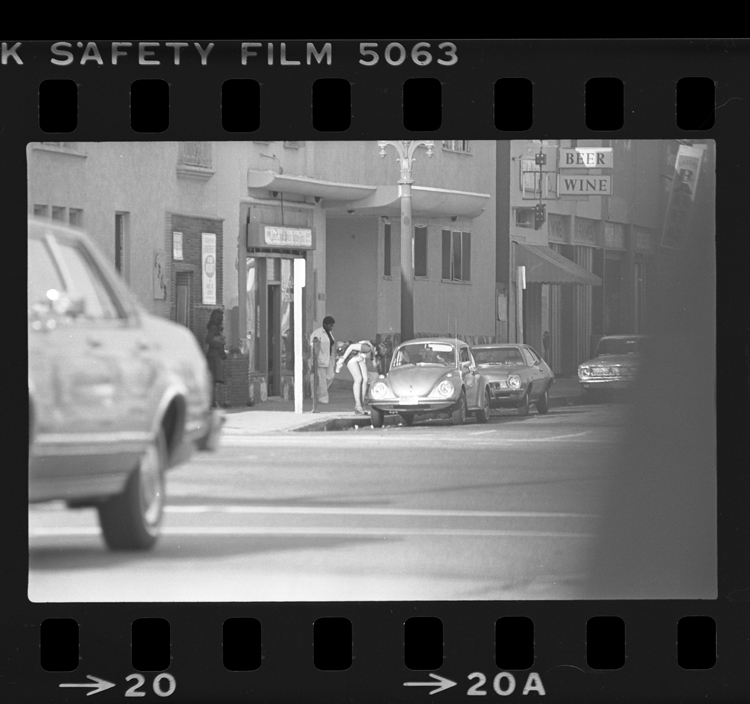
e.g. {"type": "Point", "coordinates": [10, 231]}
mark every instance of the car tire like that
{"type": "Point", "coordinates": [458, 415]}
{"type": "Point", "coordinates": [483, 414]}
{"type": "Point", "coordinates": [408, 418]}
{"type": "Point", "coordinates": [376, 417]}
{"type": "Point", "coordinates": [523, 407]}
{"type": "Point", "coordinates": [542, 405]}
{"type": "Point", "coordinates": [132, 520]}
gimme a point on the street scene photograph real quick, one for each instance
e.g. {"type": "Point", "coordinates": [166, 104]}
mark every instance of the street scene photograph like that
{"type": "Point", "coordinates": [406, 370]}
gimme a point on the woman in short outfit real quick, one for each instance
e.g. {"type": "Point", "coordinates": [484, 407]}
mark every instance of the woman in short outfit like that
{"type": "Point", "coordinates": [355, 357]}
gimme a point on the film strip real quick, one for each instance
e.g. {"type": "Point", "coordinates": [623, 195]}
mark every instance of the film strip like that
{"type": "Point", "coordinates": [568, 562]}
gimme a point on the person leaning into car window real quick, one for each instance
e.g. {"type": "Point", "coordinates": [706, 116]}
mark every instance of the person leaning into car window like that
{"type": "Point", "coordinates": [216, 352]}
{"type": "Point", "coordinates": [356, 356]}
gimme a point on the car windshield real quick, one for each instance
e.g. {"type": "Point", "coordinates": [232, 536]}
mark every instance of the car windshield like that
{"type": "Point", "coordinates": [425, 353]}
{"type": "Point", "coordinates": [498, 355]}
{"type": "Point", "coordinates": [618, 345]}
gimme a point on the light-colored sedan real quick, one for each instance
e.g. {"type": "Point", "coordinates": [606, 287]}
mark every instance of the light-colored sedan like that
{"type": "Point", "coordinates": [116, 396]}
{"type": "Point", "coordinates": [614, 365]}
{"type": "Point", "coordinates": [517, 377]}
{"type": "Point", "coordinates": [433, 376]}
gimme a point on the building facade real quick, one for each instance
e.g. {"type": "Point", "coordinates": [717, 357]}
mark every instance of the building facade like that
{"type": "Point", "coordinates": [194, 226]}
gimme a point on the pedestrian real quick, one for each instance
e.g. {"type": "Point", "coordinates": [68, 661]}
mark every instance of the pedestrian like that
{"type": "Point", "coordinates": [356, 357]}
{"type": "Point", "coordinates": [215, 350]}
{"type": "Point", "coordinates": [324, 359]}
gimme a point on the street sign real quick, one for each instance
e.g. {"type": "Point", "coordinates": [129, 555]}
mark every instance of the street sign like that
{"type": "Point", "coordinates": [586, 158]}
{"type": "Point", "coordinates": [595, 185]}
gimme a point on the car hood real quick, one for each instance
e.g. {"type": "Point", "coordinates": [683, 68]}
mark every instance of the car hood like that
{"type": "Point", "coordinates": [412, 380]}
{"type": "Point", "coordinates": [604, 360]}
{"type": "Point", "coordinates": [498, 371]}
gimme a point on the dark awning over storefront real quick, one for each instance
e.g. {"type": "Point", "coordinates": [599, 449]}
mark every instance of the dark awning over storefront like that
{"type": "Point", "coordinates": [545, 266]}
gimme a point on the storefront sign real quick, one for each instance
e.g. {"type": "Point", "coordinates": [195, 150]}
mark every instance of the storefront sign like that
{"type": "Point", "coordinates": [287, 236]}
{"type": "Point", "coordinates": [556, 227]}
{"type": "Point", "coordinates": [598, 185]}
{"type": "Point", "coordinates": [586, 158]}
{"type": "Point", "coordinates": [177, 245]}
{"type": "Point", "coordinates": [614, 235]}
{"type": "Point", "coordinates": [208, 268]}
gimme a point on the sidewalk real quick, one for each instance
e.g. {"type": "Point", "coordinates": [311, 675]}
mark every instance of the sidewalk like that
{"type": "Point", "coordinates": [277, 415]}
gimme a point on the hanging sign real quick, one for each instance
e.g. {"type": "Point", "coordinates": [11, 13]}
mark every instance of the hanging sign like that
{"type": "Point", "coordinates": [208, 268]}
{"type": "Point", "coordinates": [586, 158]}
{"type": "Point", "coordinates": [598, 185]}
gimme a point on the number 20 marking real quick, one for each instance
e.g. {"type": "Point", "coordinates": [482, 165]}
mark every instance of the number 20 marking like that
{"type": "Point", "coordinates": [140, 680]}
{"type": "Point", "coordinates": [504, 684]}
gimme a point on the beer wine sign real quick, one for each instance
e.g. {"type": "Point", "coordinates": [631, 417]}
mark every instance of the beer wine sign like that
{"type": "Point", "coordinates": [577, 184]}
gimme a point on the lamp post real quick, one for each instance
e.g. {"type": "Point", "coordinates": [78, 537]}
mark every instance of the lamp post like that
{"type": "Point", "coordinates": [405, 149]}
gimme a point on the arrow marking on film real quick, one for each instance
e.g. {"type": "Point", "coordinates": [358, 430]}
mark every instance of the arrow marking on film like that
{"type": "Point", "coordinates": [441, 682]}
{"type": "Point", "coordinates": [98, 682]}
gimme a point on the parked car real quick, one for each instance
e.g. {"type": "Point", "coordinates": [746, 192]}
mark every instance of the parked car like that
{"type": "Point", "coordinates": [116, 396]}
{"type": "Point", "coordinates": [614, 365]}
{"type": "Point", "coordinates": [517, 377]}
{"type": "Point", "coordinates": [433, 376]}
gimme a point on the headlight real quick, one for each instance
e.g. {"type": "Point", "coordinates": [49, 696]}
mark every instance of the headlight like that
{"type": "Point", "coordinates": [584, 371]}
{"type": "Point", "coordinates": [379, 390]}
{"type": "Point", "coordinates": [514, 381]}
{"type": "Point", "coordinates": [445, 388]}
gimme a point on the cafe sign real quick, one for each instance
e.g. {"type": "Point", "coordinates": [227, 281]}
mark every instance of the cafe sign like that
{"type": "Point", "coordinates": [275, 236]}
{"type": "Point", "coordinates": [586, 158]}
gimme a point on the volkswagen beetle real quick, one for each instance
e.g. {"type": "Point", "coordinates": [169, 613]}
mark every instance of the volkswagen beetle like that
{"type": "Point", "coordinates": [433, 376]}
{"type": "Point", "coordinates": [517, 376]}
{"type": "Point", "coordinates": [117, 396]}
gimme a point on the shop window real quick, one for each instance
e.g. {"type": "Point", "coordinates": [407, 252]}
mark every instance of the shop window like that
{"type": "Point", "coordinates": [420, 251]}
{"type": "Point", "coordinates": [456, 256]}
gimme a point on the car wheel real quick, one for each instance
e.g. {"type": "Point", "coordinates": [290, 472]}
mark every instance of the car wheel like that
{"type": "Point", "coordinates": [542, 405]}
{"type": "Point", "coordinates": [523, 407]}
{"type": "Point", "coordinates": [132, 520]}
{"type": "Point", "coordinates": [408, 418]}
{"type": "Point", "coordinates": [458, 415]}
{"type": "Point", "coordinates": [483, 414]}
{"type": "Point", "coordinates": [376, 417]}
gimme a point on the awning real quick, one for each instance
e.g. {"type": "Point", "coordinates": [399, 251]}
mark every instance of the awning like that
{"type": "Point", "coordinates": [346, 199]}
{"type": "Point", "coordinates": [545, 266]}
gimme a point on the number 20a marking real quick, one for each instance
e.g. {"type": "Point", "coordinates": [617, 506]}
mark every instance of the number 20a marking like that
{"type": "Point", "coordinates": [159, 689]}
{"type": "Point", "coordinates": [504, 684]}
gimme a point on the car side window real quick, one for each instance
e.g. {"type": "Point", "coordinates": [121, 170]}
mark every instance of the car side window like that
{"type": "Point", "coordinates": [527, 357]}
{"type": "Point", "coordinates": [97, 300]}
{"type": "Point", "coordinates": [465, 355]}
{"type": "Point", "coordinates": [534, 356]}
{"type": "Point", "coordinates": [43, 275]}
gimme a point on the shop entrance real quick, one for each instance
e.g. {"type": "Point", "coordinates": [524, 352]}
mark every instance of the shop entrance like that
{"type": "Point", "coordinates": [270, 318]}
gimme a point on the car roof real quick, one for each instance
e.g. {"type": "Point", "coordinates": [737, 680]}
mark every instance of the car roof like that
{"type": "Point", "coordinates": [442, 340]}
{"type": "Point", "coordinates": [495, 345]}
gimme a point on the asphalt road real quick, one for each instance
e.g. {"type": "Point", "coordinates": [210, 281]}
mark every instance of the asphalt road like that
{"type": "Point", "coordinates": [506, 510]}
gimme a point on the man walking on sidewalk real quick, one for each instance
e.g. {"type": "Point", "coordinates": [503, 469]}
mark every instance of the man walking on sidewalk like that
{"type": "Point", "coordinates": [324, 358]}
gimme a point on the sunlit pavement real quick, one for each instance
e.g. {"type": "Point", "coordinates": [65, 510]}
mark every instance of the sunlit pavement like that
{"type": "Point", "coordinates": [505, 510]}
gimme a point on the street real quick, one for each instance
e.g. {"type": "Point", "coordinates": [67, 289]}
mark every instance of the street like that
{"type": "Point", "coordinates": [506, 510]}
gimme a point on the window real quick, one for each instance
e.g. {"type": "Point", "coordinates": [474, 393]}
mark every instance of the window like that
{"type": "Point", "coordinates": [75, 217]}
{"type": "Point", "coordinates": [464, 355]}
{"type": "Point", "coordinates": [524, 217]}
{"type": "Point", "coordinates": [456, 256]}
{"type": "Point", "coordinates": [420, 251]}
{"type": "Point", "coordinates": [98, 303]}
{"type": "Point", "coordinates": [58, 213]}
{"type": "Point", "coordinates": [195, 154]}
{"type": "Point", "coordinates": [457, 145]}
{"type": "Point", "coordinates": [387, 249]}
{"type": "Point", "coordinates": [41, 211]}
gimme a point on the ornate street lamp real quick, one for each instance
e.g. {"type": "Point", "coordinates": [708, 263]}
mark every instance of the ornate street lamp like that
{"type": "Point", "coordinates": [405, 149]}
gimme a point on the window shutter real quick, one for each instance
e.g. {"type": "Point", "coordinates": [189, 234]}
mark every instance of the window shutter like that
{"type": "Point", "coordinates": [456, 256]}
{"type": "Point", "coordinates": [420, 251]}
{"type": "Point", "coordinates": [466, 259]}
{"type": "Point", "coordinates": [446, 274]}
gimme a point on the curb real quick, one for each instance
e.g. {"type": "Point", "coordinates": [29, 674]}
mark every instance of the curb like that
{"type": "Point", "coordinates": [337, 424]}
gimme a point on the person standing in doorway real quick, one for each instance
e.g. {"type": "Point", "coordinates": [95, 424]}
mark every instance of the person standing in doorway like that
{"type": "Point", "coordinates": [355, 357]}
{"type": "Point", "coordinates": [215, 349]}
{"type": "Point", "coordinates": [324, 359]}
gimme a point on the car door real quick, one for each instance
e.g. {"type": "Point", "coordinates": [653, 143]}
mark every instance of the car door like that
{"type": "Point", "coordinates": [469, 374]}
{"type": "Point", "coordinates": [126, 388]}
{"type": "Point", "coordinates": [536, 374]}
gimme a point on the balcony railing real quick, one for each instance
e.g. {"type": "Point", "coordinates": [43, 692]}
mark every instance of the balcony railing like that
{"type": "Point", "coordinates": [195, 154]}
